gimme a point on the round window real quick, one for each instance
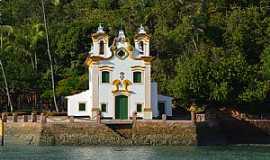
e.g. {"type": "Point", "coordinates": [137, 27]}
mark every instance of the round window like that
{"type": "Point", "coordinates": [121, 54]}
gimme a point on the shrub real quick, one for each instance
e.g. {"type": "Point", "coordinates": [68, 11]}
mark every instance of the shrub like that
{"type": "Point", "coordinates": [55, 113]}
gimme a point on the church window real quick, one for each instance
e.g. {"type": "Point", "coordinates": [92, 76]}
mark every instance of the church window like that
{"type": "Point", "coordinates": [101, 48]}
{"type": "Point", "coordinates": [81, 106]}
{"type": "Point", "coordinates": [105, 77]}
{"type": "Point", "coordinates": [137, 77]}
{"type": "Point", "coordinates": [139, 107]}
{"type": "Point", "coordinates": [121, 54]}
{"type": "Point", "coordinates": [141, 46]}
{"type": "Point", "coordinates": [103, 107]}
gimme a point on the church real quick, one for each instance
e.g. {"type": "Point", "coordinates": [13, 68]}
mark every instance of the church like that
{"type": "Point", "coordinates": [120, 80]}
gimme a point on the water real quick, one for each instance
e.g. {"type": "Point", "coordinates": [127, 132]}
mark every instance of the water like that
{"type": "Point", "coordinates": [134, 153]}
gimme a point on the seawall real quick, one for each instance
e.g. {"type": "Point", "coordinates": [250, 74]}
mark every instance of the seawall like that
{"type": "Point", "coordinates": [22, 133]}
{"type": "Point", "coordinates": [150, 132]}
{"type": "Point", "coordinates": [246, 131]}
{"type": "Point", "coordinates": [91, 133]}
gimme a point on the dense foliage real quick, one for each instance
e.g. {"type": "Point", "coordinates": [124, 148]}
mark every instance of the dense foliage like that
{"type": "Point", "coordinates": [212, 52]}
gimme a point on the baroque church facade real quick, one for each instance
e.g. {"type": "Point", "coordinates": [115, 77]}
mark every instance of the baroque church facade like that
{"type": "Point", "coordinates": [120, 80]}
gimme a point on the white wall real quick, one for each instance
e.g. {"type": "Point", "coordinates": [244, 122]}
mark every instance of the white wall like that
{"type": "Point", "coordinates": [168, 103]}
{"type": "Point", "coordinates": [105, 89]}
{"type": "Point", "coordinates": [73, 104]}
{"type": "Point", "coordinates": [154, 99]}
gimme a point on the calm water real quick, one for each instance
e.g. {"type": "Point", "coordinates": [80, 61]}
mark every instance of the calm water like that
{"type": "Point", "coordinates": [134, 153]}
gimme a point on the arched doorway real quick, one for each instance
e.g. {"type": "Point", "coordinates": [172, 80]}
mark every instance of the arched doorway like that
{"type": "Point", "coordinates": [121, 107]}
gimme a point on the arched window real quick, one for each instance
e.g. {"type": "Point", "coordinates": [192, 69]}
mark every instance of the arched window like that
{"type": "Point", "coordinates": [105, 77]}
{"type": "Point", "coordinates": [137, 77]}
{"type": "Point", "coordinates": [101, 48]}
{"type": "Point", "coordinates": [141, 46]}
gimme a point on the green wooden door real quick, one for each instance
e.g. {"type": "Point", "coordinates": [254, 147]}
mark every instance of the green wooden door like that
{"type": "Point", "coordinates": [121, 107]}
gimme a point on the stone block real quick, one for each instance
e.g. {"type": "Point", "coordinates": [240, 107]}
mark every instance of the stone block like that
{"type": "Point", "coordinates": [33, 117]}
{"type": "Point", "coordinates": [193, 117]}
{"type": "Point", "coordinates": [164, 117]}
{"type": "Point", "coordinates": [71, 119]}
{"type": "Point", "coordinates": [200, 117]}
{"type": "Point", "coordinates": [98, 118]}
{"type": "Point", "coordinates": [25, 118]}
{"type": "Point", "coordinates": [4, 117]}
{"type": "Point", "coordinates": [43, 118]}
{"type": "Point", "coordinates": [14, 117]}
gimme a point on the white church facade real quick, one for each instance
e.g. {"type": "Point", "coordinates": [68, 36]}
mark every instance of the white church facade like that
{"type": "Point", "coordinates": [120, 80]}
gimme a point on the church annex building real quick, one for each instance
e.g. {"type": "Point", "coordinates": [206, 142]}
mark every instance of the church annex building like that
{"type": "Point", "coordinates": [120, 80]}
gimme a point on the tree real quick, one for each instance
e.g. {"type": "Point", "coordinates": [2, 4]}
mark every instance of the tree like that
{"type": "Point", "coordinates": [216, 52]}
{"type": "Point", "coordinates": [50, 56]}
{"type": "Point", "coordinates": [7, 90]}
{"type": "Point", "coordinates": [5, 29]}
{"type": "Point", "coordinates": [218, 78]}
{"type": "Point", "coordinates": [265, 58]}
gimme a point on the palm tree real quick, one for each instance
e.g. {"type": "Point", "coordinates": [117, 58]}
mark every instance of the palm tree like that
{"type": "Point", "coordinates": [5, 29]}
{"type": "Point", "coordinates": [36, 35]}
{"type": "Point", "coordinates": [28, 38]}
{"type": "Point", "coordinates": [49, 54]}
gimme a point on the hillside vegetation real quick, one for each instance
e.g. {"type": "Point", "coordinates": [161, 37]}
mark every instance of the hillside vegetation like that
{"type": "Point", "coordinates": [213, 52]}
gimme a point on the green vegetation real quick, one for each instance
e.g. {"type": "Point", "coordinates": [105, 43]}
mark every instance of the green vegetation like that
{"type": "Point", "coordinates": [212, 52]}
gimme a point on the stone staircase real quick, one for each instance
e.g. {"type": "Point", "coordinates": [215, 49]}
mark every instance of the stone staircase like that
{"type": "Point", "coordinates": [81, 134]}
{"type": "Point", "coordinates": [123, 130]}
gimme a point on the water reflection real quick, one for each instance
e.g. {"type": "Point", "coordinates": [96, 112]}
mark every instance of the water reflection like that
{"type": "Point", "coordinates": [133, 153]}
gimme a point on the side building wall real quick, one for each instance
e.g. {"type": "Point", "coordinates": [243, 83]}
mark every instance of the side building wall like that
{"type": "Point", "coordinates": [73, 104]}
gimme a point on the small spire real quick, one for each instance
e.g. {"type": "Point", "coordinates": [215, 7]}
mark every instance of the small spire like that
{"type": "Point", "coordinates": [121, 36]}
{"type": "Point", "coordinates": [100, 29]}
{"type": "Point", "coordinates": [141, 30]}
{"type": "Point", "coordinates": [121, 33]}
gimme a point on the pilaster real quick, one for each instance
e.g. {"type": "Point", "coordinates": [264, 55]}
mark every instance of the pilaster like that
{"type": "Point", "coordinates": [95, 90]}
{"type": "Point", "coordinates": [147, 80]}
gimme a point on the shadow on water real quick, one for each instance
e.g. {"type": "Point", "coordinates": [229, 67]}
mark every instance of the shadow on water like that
{"type": "Point", "coordinates": [229, 130]}
{"type": "Point", "coordinates": [245, 132]}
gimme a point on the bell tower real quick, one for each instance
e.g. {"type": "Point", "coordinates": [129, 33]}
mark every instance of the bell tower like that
{"type": "Point", "coordinates": [142, 42]}
{"type": "Point", "coordinates": [100, 45]}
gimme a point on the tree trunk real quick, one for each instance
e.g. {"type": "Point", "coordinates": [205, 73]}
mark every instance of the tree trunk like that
{"type": "Point", "coordinates": [36, 61]}
{"type": "Point", "coordinates": [7, 90]}
{"type": "Point", "coordinates": [32, 61]}
{"type": "Point", "coordinates": [1, 39]}
{"type": "Point", "coordinates": [50, 57]}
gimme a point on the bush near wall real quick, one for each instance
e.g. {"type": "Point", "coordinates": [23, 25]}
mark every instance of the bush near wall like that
{"type": "Point", "coordinates": [55, 113]}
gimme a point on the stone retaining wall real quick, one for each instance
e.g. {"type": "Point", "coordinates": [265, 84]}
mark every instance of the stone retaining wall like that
{"type": "Point", "coordinates": [165, 133]}
{"type": "Point", "coordinates": [82, 133]}
{"type": "Point", "coordinates": [79, 134]}
{"type": "Point", "coordinates": [22, 133]}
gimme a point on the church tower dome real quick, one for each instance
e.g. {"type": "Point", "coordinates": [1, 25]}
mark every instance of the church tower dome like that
{"type": "Point", "coordinates": [100, 45]}
{"type": "Point", "coordinates": [142, 42]}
